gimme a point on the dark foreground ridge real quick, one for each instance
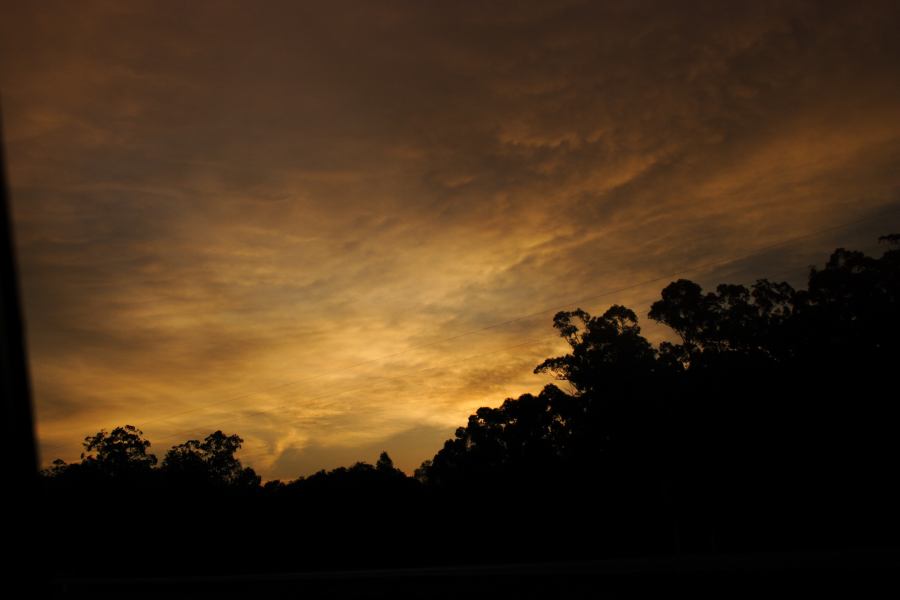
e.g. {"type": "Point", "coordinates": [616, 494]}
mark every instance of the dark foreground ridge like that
{"type": "Point", "coordinates": [766, 436]}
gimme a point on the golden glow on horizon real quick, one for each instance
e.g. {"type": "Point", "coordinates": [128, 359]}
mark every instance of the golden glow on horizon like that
{"type": "Point", "coordinates": [222, 210]}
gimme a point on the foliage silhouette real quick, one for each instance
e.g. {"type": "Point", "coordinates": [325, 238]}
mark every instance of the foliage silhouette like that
{"type": "Point", "coordinates": [210, 462]}
{"type": "Point", "coordinates": [769, 424]}
{"type": "Point", "coordinates": [119, 453]}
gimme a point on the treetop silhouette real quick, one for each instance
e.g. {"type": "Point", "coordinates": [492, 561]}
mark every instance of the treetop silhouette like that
{"type": "Point", "coordinates": [769, 424]}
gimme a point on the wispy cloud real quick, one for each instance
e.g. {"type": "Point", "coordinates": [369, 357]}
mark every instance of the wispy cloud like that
{"type": "Point", "coordinates": [278, 219]}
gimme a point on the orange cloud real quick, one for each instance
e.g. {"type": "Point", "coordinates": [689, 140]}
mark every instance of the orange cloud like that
{"type": "Point", "coordinates": [315, 226]}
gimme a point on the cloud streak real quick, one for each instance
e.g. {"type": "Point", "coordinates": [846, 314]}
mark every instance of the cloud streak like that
{"type": "Point", "coordinates": [267, 218]}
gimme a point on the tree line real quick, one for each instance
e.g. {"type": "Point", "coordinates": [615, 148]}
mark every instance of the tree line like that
{"type": "Point", "coordinates": [769, 424]}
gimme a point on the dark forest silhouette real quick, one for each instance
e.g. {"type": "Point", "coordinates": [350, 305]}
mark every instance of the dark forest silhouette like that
{"type": "Point", "coordinates": [770, 425]}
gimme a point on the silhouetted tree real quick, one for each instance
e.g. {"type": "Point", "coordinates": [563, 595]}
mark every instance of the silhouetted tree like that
{"type": "Point", "coordinates": [121, 452]}
{"type": "Point", "coordinates": [608, 352]}
{"type": "Point", "coordinates": [211, 461]}
{"type": "Point", "coordinates": [768, 424]}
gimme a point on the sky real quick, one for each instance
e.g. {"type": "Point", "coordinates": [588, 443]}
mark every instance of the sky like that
{"type": "Point", "coordinates": [339, 228]}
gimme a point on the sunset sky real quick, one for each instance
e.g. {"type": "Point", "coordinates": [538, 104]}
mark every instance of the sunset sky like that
{"type": "Point", "coordinates": [337, 228]}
